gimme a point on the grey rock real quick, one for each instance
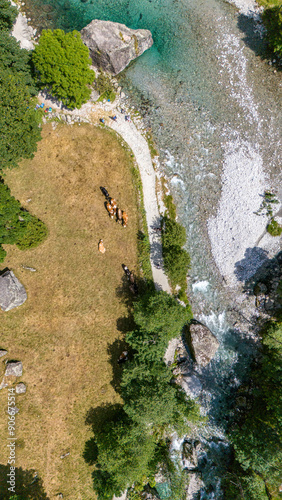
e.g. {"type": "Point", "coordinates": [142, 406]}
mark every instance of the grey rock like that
{"type": "Point", "coordinates": [20, 388]}
{"type": "Point", "coordinates": [12, 292]}
{"type": "Point", "coordinates": [14, 368]}
{"type": "Point", "coordinates": [202, 343]}
{"type": "Point", "coordinates": [3, 384]}
{"type": "Point", "coordinates": [191, 385]}
{"type": "Point", "coordinates": [3, 352]}
{"type": "Point", "coordinates": [32, 269]}
{"type": "Point", "coordinates": [113, 46]}
{"type": "Point", "coordinates": [189, 455]}
{"type": "Point", "coordinates": [13, 410]}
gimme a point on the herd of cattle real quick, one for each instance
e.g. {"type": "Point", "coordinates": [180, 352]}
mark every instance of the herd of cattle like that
{"type": "Point", "coordinates": [122, 218]}
{"type": "Point", "coordinates": [113, 209]}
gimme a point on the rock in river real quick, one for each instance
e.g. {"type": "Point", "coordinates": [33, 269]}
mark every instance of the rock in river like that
{"type": "Point", "coordinates": [113, 46]}
{"type": "Point", "coordinates": [12, 292]}
{"type": "Point", "coordinates": [202, 343]}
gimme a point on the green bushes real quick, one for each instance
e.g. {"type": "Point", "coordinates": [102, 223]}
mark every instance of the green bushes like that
{"type": "Point", "coordinates": [256, 433]}
{"type": "Point", "coordinates": [17, 226]}
{"type": "Point", "coordinates": [105, 87]}
{"type": "Point", "coordinates": [62, 63]}
{"type": "Point", "coordinates": [133, 444]}
{"type": "Point", "coordinates": [274, 228]}
{"type": "Point", "coordinates": [19, 123]}
{"type": "Point", "coordinates": [176, 259]}
{"type": "Point", "coordinates": [272, 18]}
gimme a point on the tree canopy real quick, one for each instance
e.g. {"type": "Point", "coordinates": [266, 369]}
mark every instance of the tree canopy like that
{"type": "Point", "coordinates": [17, 226]}
{"type": "Point", "coordinates": [272, 18]}
{"type": "Point", "coordinates": [8, 14]}
{"type": "Point", "coordinates": [19, 123]}
{"type": "Point", "coordinates": [131, 447]}
{"type": "Point", "coordinates": [62, 63]}
{"type": "Point", "coordinates": [16, 60]}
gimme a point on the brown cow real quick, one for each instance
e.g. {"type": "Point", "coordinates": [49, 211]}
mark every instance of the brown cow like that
{"type": "Point", "coordinates": [114, 204]}
{"type": "Point", "coordinates": [101, 247]}
{"type": "Point", "coordinates": [124, 219]}
{"type": "Point", "coordinates": [119, 215]}
{"type": "Point", "coordinates": [110, 210]}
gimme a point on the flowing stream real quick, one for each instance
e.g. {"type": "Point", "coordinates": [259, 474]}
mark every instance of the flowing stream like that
{"type": "Point", "coordinates": [209, 99]}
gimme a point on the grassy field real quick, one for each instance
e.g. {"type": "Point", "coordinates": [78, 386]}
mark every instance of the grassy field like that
{"type": "Point", "coordinates": [64, 331]}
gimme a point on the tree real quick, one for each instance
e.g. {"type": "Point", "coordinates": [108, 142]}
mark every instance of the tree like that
{"type": "Point", "coordinates": [272, 18]}
{"type": "Point", "coordinates": [16, 60]}
{"type": "Point", "coordinates": [19, 123]}
{"type": "Point", "coordinates": [124, 455]}
{"type": "Point", "coordinates": [174, 234]}
{"type": "Point", "coordinates": [152, 401]}
{"type": "Point", "coordinates": [8, 14]}
{"type": "Point", "coordinates": [177, 263]}
{"type": "Point", "coordinates": [62, 63]}
{"type": "Point", "coordinates": [160, 314]}
{"type": "Point", "coordinates": [176, 259]}
{"type": "Point", "coordinates": [17, 226]}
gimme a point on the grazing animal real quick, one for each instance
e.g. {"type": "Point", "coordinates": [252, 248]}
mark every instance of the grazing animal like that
{"type": "Point", "coordinates": [119, 215]}
{"type": "Point", "coordinates": [110, 210]}
{"type": "Point", "coordinates": [114, 204]}
{"type": "Point", "coordinates": [105, 192]}
{"type": "Point", "coordinates": [124, 219]}
{"type": "Point", "coordinates": [126, 270]}
{"type": "Point", "coordinates": [101, 247]}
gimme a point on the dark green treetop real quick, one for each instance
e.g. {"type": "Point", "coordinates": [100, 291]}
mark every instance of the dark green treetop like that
{"type": "Point", "coordinates": [8, 14]}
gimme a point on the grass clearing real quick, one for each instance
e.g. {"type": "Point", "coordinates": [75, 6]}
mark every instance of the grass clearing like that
{"type": "Point", "coordinates": [63, 331]}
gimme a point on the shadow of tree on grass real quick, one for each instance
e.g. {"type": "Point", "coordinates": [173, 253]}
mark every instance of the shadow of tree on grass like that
{"type": "Point", "coordinates": [29, 486]}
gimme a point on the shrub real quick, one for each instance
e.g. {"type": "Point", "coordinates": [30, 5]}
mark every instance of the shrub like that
{"type": "Point", "coordinates": [17, 226]}
{"type": "Point", "coordinates": [176, 263]}
{"type": "Point", "coordinates": [174, 234]}
{"type": "Point", "coordinates": [33, 232]}
{"type": "Point", "coordinates": [274, 228]}
{"type": "Point", "coordinates": [3, 254]}
{"type": "Point", "coordinates": [176, 259]}
{"type": "Point", "coordinates": [104, 86]}
{"type": "Point", "coordinates": [63, 65]}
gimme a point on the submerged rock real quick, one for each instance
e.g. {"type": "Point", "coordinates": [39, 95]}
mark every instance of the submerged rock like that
{"type": "Point", "coordinates": [113, 46]}
{"type": "Point", "coordinates": [202, 343]}
{"type": "Point", "coordinates": [12, 292]}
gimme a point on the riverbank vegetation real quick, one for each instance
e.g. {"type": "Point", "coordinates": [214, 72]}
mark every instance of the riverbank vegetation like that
{"type": "Point", "coordinates": [272, 19]}
{"type": "Point", "coordinates": [19, 122]}
{"type": "Point", "coordinates": [131, 442]}
{"type": "Point", "coordinates": [20, 133]}
{"type": "Point", "coordinates": [256, 429]}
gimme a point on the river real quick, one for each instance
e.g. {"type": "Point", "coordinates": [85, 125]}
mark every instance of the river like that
{"type": "Point", "coordinates": [214, 107]}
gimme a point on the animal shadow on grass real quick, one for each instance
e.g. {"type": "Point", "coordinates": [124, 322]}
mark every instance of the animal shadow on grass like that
{"type": "Point", "coordinates": [28, 484]}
